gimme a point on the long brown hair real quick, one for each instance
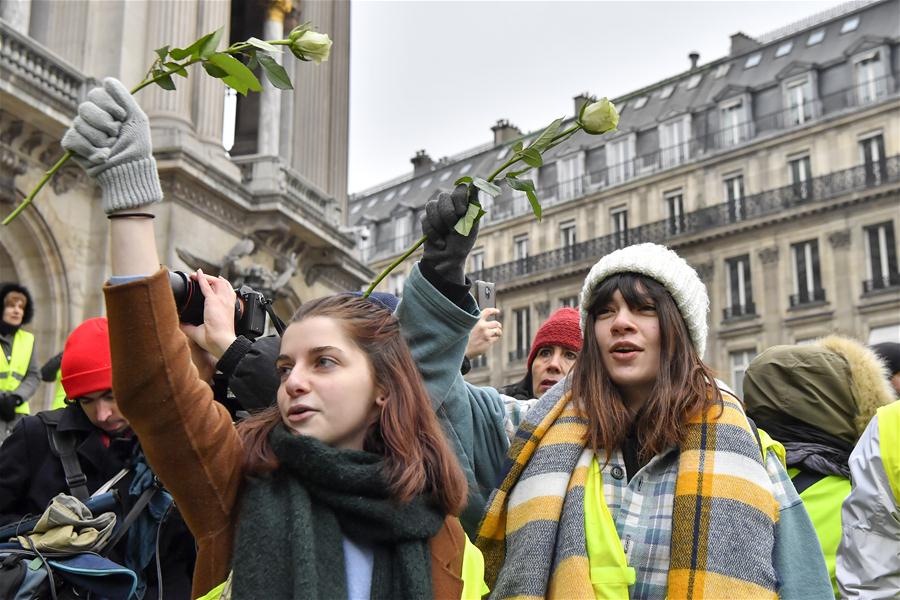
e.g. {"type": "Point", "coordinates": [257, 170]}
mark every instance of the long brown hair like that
{"type": "Point", "coordinates": [417, 458]}
{"type": "Point", "coordinates": [683, 387]}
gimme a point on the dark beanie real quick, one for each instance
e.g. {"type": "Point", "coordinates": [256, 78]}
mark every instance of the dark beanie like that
{"type": "Point", "coordinates": [6, 288]}
{"type": "Point", "coordinates": [889, 353]}
{"type": "Point", "coordinates": [561, 329]}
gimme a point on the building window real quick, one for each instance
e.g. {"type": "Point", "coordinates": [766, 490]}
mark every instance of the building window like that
{"type": "Point", "coordinates": [396, 282]}
{"type": "Point", "coordinates": [639, 102]}
{"type": "Point", "coordinates": [734, 198]}
{"type": "Point", "coordinates": [476, 261]}
{"type": "Point", "coordinates": [520, 247]}
{"type": "Point", "coordinates": [666, 92]}
{"type": "Point", "coordinates": [850, 24]}
{"type": "Point", "coordinates": [739, 293]}
{"type": "Point", "coordinates": [402, 228]}
{"type": "Point", "coordinates": [674, 141]}
{"type": "Point", "coordinates": [873, 159]}
{"type": "Point", "coordinates": [807, 276]}
{"type": "Point", "coordinates": [619, 158]}
{"type": "Point", "coordinates": [675, 211]}
{"type": "Point", "coordinates": [784, 49]}
{"type": "Point", "coordinates": [735, 123]}
{"type": "Point", "coordinates": [753, 60]}
{"type": "Point", "coordinates": [881, 257]}
{"type": "Point", "coordinates": [722, 70]}
{"type": "Point", "coordinates": [567, 236]}
{"type": "Point", "coordinates": [479, 362]}
{"type": "Point", "coordinates": [885, 333]}
{"type": "Point", "coordinates": [569, 302]}
{"type": "Point", "coordinates": [619, 218]}
{"type": "Point", "coordinates": [522, 319]}
{"type": "Point", "coordinates": [801, 177]}
{"type": "Point", "coordinates": [694, 81]}
{"type": "Point", "coordinates": [871, 83]}
{"type": "Point", "coordinates": [569, 174]}
{"type": "Point", "coordinates": [740, 360]}
{"type": "Point", "coordinates": [815, 37]}
{"type": "Point", "coordinates": [798, 96]}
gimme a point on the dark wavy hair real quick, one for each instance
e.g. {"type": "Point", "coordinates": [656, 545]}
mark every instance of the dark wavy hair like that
{"type": "Point", "coordinates": [29, 304]}
{"type": "Point", "coordinates": [684, 385]}
{"type": "Point", "coordinates": [417, 458]}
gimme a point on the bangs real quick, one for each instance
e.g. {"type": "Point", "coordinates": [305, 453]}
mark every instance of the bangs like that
{"type": "Point", "coordinates": [637, 291]}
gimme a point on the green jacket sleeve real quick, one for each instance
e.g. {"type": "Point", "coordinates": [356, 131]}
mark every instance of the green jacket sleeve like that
{"type": "Point", "coordinates": [437, 331]}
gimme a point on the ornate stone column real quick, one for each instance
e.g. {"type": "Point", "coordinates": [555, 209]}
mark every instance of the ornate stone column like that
{"type": "Point", "coordinates": [770, 309]}
{"type": "Point", "coordinates": [847, 281]}
{"type": "Point", "coordinates": [270, 98]}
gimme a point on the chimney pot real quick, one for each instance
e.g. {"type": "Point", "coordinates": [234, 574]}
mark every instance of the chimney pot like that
{"type": "Point", "coordinates": [505, 132]}
{"type": "Point", "coordinates": [422, 163]}
{"type": "Point", "coordinates": [694, 56]}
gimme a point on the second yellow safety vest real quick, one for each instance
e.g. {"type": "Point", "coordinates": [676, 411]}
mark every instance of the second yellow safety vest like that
{"type": "Point", "coordinates": [12, 372]}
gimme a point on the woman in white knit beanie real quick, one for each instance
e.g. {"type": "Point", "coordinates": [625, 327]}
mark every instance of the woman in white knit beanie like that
{"type": "Point", "coordinates": [638, 477]}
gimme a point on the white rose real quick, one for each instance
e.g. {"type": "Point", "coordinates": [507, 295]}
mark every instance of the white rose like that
{"type": "Point", "coordinates": [311, 45]}
{"type": "Point", "coordinates": [599, 117]}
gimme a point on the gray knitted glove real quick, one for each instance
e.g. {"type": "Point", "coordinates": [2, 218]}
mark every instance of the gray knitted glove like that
{"type": "Point", "coordinates": [446, 250]}
{"type": "Point", "coordinates": [110, 138]}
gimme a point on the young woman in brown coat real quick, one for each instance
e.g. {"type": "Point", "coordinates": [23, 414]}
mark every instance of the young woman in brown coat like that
{"type": "Point", "coordinates": [347, 488]}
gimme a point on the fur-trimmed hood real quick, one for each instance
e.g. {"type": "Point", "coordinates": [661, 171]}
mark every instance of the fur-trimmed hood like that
{"type": "Point", "coordinates": [834, 385]}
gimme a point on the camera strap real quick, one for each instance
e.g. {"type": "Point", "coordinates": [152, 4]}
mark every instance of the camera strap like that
{"type": "Point", "coordinates": [276, 320]}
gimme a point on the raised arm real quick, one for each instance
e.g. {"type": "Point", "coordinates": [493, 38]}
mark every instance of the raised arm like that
{"type": "Point", "coordinates": [188, 438]}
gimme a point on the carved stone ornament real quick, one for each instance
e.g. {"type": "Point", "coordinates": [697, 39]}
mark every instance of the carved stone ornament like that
{"type": "Point", "coordinates": [769, 256]}
{"type": "Point", "coordinates": [543, 309]}
{"type": "Point", "coordinates": [839, 239]}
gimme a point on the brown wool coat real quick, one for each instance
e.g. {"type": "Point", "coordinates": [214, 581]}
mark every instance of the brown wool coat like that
{"type": "Point", "coordinates": [189, 438]}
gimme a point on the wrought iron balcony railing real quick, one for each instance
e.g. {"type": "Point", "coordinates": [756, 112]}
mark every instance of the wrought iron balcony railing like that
{"type": "Point", "coordinates": [770, 202]}
{"type": "Point", "coordinates": [739, 310]}
{"type": "Point", "coordinates": [881, 283]}
{"type": "Point", "coordinates": [805, 297]}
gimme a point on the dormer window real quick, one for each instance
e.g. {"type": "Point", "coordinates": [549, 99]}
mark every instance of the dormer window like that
{"type": "Point", "coordinates": [465, 168]}
{"type": "Point", "coordinates": [722, 71]}
{"type": "Point", "coordinates": [445, 176]}
{"type": "Point", "coordinates": [640, 102]}
{"type": "Point", "coordinates": [870, 76]}
{"type": "Point", "coordinates": [694, 81]}
{"type": "Point", "coordinates": [666, 92]}
{"type": "Point", "coordinates": [784, 49]}
{"type": "Point", "coordinates": [425, 183]}
{"type": "Point", "coordinates": [815, 37]}
{"type": "Point", "coordinates": [372, 202]}
{"type": "Point", "coordinates": [404, 189]}
{"type": "Point", "coordinates": [850, 24]}
{"type": "Point", "coordinates": [753, 60]}
{"type": "Point", "coordinates": [390, 195]}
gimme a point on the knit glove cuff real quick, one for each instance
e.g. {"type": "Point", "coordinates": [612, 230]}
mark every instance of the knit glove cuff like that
{"type": "Point", "coordinates": [130, 185]}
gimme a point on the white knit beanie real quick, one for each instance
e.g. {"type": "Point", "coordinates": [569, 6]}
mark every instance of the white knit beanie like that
{"type": "Point", "coordinates": [666, 267]}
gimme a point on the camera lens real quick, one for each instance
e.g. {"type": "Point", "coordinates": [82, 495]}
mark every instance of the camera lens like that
{"type": "Point", "coordinates": [188, 298]}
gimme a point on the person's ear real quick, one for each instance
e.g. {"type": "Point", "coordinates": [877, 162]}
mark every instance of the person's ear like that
{"type": "Point", "coordinates": [381, 397]}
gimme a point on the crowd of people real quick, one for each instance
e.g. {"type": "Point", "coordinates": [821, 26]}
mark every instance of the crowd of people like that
{"type": "Point", "coordinates": [350, 458]}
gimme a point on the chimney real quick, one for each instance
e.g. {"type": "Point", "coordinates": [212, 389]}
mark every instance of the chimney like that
{"type": "Point", "coordinates": [504, 132]}
{"type": "Point", "coordinates": [580, 100]}
{"type": "Point", "coordinates": [422, 163]}
{"type": "Point", "coordinates": [741, 42]}
{"type": "Point", "coordinates": [694, 56]}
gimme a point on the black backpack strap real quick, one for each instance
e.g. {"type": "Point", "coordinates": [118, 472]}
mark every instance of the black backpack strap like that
{"type": "Point", "coordinates": [804, 480]}
{"type": "Point", "coordinates": [63, 446]}
{"type": "Point", "coordinates": [133, 514]}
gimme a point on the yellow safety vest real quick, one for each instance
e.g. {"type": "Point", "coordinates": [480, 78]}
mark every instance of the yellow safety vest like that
{"type": "Point", "coordinates": [13, 372]}
{"type": "Point", "coordinates": [889, 442]}
{"type": "Point", "coordinates": [59, 399]}
{"type": "Point", "coordinates": [472, 576]}
{"type": "Point", "coordinates": [610, 574]}
{"type": "Point", "coordinates": [823, 501]}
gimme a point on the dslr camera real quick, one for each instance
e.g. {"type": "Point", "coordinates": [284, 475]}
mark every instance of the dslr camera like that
{"type": "Point", "coordinates": [250, 306]}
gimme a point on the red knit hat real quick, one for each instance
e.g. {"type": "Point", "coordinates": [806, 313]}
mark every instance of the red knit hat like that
{"type": "Point", "coordinates": [561, 329]}
{"type": "Point", "coordinates": [86, 364]}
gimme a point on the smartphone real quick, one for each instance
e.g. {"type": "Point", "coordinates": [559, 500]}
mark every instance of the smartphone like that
{"type": "Point", "coordinates": [484, 294]}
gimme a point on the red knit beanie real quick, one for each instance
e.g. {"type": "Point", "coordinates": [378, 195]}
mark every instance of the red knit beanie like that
{"type": "Point", "coordinates": [561, 329]}
{"type": "Point", "coordinates": [86, 364]}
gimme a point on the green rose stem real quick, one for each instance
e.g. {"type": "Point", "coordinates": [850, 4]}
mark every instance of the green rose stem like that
{"type": "Point", "coordinates": [557, 139]}
{"type": "Point", "coordinates": [233, 49]}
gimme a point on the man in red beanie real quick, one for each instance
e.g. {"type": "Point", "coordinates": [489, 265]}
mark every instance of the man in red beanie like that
{"type": "Point", "coordinates": [553, 352]}
{"type": "Point", "coordinates": [32, 474]}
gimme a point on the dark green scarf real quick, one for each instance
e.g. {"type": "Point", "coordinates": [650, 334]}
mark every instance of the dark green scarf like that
{"type": "Point", "coordinates": [289, 540]}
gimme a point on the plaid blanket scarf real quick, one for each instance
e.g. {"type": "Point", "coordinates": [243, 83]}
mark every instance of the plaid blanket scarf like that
{"type": "Point", "coordinates": [724, 512]}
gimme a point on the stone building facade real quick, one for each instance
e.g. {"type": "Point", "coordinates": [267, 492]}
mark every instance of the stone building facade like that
{"type": "Point", "coordinates": [270, 212]}
{"type": "Point", "coordinates": [775, 171]}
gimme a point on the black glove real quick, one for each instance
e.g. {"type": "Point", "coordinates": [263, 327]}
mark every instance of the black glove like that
{"type": "Point", "coordinates": [446, 250]}
{"type": "Point", "coordinates": [8, 404]}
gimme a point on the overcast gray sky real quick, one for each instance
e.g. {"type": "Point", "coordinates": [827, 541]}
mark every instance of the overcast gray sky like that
{"type": "Point", "coordinates": [437, 74]}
